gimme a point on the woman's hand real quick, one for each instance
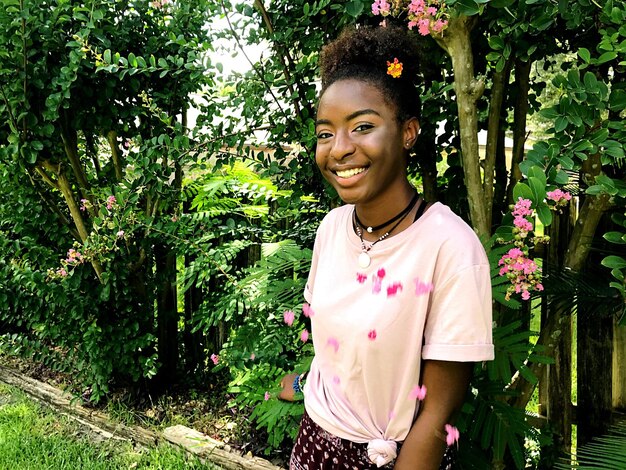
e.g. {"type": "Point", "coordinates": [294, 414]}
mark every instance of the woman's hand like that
{"type": "Point", "coordinates": [287, 393]}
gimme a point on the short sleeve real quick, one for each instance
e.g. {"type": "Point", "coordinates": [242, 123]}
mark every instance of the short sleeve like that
{"type": "Point", "coordinates": [459, 321]}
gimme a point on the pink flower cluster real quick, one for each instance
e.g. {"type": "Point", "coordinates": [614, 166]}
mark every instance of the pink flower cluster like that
{"type": "Point", "coordinates": [381, 7]}
{"type": "Point", "coordinates": [523, 272]}
{"type": "Point", "coordinates": [561, 198]}
{"type": "Point", "coordinates": [429, 17]}
{"type": "Point", "coordinates": [73, 257]}
{"type": "Point", "coordinates": [521, 210]}
{"type": "Point", "coordinates": [111, 201]}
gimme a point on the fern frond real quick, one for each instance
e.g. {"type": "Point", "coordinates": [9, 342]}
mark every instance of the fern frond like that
{"type": "Point", "coordinates": [607, 452]}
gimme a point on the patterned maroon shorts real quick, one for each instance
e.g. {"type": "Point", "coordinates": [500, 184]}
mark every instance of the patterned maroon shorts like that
{"type": "Point", "coordinates": [316, 449]}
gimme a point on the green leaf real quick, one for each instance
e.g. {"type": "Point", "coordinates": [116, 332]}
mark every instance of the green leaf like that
{"type": "Point", "coordinates": [538, 188]}
{"type": "Point", "coordinates": [354, 7]}
{"type": "Point", "coordinates": [561, 178]}
{"type": "Point", "coordinates": [538, 173]}
{"type": "Point", "coordinates": [584, 54]}
{"type": "Point", "coordinates": [614, 237]}
{"type": "Point", "coordinates": [496, 43]}
{"type": "Point", "coordinates": [467, 7]}
{"type": "Point", "coordinates": [545, 214]}
{"type": "Point", "coordinates": [107, 56]}
{"type": "Point", "coordinates": [522, 190]}
{"type": "Point", "coordinates": [607, 56]}
{"type": "Point", "coordinates": [614, 262]}
{"type": "Point", "coordinates": [617, 100]}
{"type": "Point", "coordinates": [560, 124]}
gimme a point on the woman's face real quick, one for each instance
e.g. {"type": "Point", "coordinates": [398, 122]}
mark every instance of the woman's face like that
{"type": "Point", "coordinates": [361, 146]}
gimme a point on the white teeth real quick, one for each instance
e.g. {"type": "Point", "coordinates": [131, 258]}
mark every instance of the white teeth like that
{"type": "Point", "coordinates": [349, 173]}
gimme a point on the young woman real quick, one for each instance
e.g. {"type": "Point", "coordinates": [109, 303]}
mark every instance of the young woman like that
{"type": "Point", "coordinates": [399, 288]}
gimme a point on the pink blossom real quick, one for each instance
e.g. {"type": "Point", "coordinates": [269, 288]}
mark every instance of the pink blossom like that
{"type": "Point", "coordinates": [417, 7]}
{"type": "Point", "coordinates": [525, 295]}
{"type": "Point", "coordinates": [439, 26]}
{"type": "Point", "coordinates": [432, 11]}
{"type": "Point", "coordinates": [452, 434]}
{"type": "Point", "coordinates": [252, 357]}
{"type": "Point", "coordinates": [111, 201]}
{"type": "Point", "coordinates": [381, 273]}
{"type": "Point", "coordinates": [381, 7]}
{"type": "Point", "coordinates": [215, 358]}
{"type": "Point", "coordinates": [539, 287]}
{"type": "Point", "coordinates": [422, 288]}
{"type": "Point", "coordinates": [394, 288]}
{"type": "Point", "coordinates": [307, 311]}
{"type": "Point", "coordinates": [332, 341]}
{"type": "Point", "coordinates": [557, 195]}
{"type": "Point", "coordinates": [523, 224]}
{"type": "Point", "coordinates": [372, 335]}
{"type": "Point", "coordinates": [361, 278]}
{"type": "Point", "coordinates": [62, 272]}
{"type": "Point", "coordinates": [304, 336]}
{"type": "Point", "coordinates": [267, 396]}
{"type": "Point", "coordinates": [74, 257]}
{"type": "Point", "coordinates": [288, 317]}
{"type": "Point", "coordinates": [83, 204]}
{"type": "Point", "coordinates": [423, 27]}
{"type": "Point", "coordinates": [418, 393]}
{"type": "Point", "coordinates": [522, 208]}
{"type": "Point", "coordinates": [120, 234]}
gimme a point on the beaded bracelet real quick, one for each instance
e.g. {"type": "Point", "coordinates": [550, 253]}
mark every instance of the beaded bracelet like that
{"type": "Point", "coordinates": [297, 383]}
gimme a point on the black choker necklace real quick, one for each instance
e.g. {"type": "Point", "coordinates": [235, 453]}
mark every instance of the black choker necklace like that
{"type": "Point", "coordinates": [364, 257]}
{"type": "Point", "coordinates": [404, 212]}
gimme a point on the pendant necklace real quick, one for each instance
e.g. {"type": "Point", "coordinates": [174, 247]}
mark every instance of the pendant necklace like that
{"type": "Point", "coordinates": [405, 211]}
{"type": "Point", "coordinates": [364, 257]}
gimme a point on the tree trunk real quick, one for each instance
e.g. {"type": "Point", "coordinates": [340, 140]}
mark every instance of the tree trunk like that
{"type": "Point", "coordinates": [520, 113]}
{"type": "Point", "coordinates": [595, 348]}
{"type": "Point", "coordinates": [619, 366]}
{"type": "Point", "coordinates": [193, 341]}
{"type": "Point", "coordinates": [500, 80]}
{"type": "Point", "coordinates": [456, 42]}
{"type": "Point", "coordinates": [167, 314]}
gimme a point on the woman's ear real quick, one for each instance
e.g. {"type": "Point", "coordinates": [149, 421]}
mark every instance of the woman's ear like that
{"type": "Point", "coordinates": [411, 131]}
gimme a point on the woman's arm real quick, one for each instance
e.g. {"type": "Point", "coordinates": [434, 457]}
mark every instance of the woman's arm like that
{"type": "Point", "coordinates": [446, 384]}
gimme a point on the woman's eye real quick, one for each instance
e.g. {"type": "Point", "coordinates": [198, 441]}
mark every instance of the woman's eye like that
{"type": "Point", "coordinates": [323, 135]}
{"type": "Point", "coordinates": [363, 127]}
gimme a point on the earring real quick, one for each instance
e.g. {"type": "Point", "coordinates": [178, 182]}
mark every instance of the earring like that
{"type": "Point", "coordinates": [408, 144]}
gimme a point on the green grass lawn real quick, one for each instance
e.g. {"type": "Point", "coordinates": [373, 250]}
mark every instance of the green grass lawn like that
{"type": "Point", "coordinates": [34, 437]}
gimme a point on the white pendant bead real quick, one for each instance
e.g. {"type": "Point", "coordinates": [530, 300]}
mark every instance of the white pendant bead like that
{"type": "Point", "coordinates": [364, 260]}
{"type": "Point", "coordinates": [370, 229]}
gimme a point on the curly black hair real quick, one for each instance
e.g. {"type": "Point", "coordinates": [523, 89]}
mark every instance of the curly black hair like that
{"type": "Point", "coordinates": [362, 54]}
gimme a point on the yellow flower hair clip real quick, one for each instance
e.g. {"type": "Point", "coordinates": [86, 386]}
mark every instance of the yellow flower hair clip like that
{"type": "Point", "coordinates": [394, 68]}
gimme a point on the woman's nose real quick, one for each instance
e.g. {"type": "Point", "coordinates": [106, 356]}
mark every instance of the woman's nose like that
{"type": "Point", "coordinates": [342, 146]}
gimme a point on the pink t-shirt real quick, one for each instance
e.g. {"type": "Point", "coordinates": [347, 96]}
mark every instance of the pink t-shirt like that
{"type": "Point", "coordinates": [425, 295]}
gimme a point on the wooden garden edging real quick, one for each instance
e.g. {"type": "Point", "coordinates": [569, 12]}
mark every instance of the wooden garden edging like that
{"type": "Point", "coordinates": [192, 441]}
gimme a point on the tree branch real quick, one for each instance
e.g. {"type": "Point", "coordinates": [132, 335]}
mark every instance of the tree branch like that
{"type": "Point", "coordinates": [457, 43]}
{"type": "Point", "coordinates": [500, 81]}
{"type": "Point", "coordinates": [243, 51]}
{"type": "Point", "coordinates": [115, 154]}
{"type": "Point", "coordinates": [520, 112]}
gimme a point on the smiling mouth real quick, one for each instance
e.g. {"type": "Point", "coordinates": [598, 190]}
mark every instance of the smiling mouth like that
{"type": "Point", "coordinates": [349, 173]}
